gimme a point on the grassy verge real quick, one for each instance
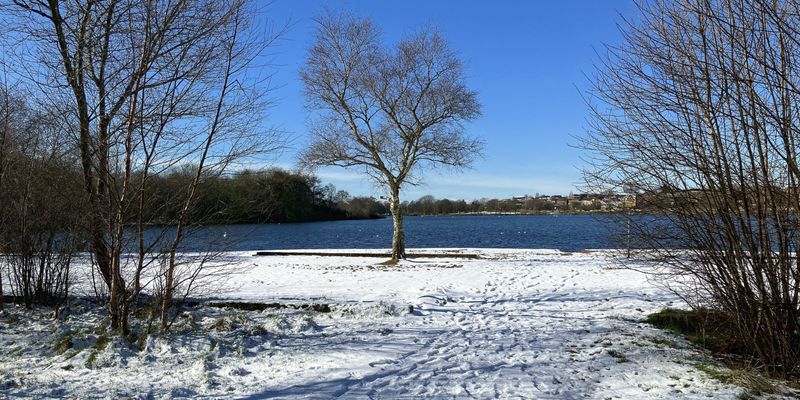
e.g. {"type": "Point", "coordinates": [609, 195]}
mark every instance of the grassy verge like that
{"type": "Point", "coordinates": [704, 328]}
{"type": "Point", "coordinates": [709, 330]}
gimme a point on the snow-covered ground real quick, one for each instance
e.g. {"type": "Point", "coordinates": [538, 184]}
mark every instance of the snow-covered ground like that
{"type": "Point", "coordinates": [514, 324]}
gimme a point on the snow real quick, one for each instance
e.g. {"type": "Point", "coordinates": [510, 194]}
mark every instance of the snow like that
{"type": "Point", "coordinates": [513, 324]}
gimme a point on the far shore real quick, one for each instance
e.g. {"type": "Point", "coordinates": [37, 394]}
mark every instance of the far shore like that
{"type": "Point", "coordinates": [512, 213]}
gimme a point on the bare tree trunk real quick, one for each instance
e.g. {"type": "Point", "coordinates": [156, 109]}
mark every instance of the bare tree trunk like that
{"type": "Point", "coordinates": [74, 69]}
{"type": "Point", "coordinates": [399, 235]}
{"type": "Point", "coordinates": [2, 297]}
{"type": "Point", "coordinates": [3, 135]}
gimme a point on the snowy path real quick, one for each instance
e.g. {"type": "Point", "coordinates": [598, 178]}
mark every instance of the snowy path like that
{"type": "Point", "coordinates": [534, 327]}
{"type": "Point", "coordinates": [517, 324]}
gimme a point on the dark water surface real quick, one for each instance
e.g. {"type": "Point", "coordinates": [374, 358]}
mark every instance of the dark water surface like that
{"type": "Point", "coordinates": [563, 232]}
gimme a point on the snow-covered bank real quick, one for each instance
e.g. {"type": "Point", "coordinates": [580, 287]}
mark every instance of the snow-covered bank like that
{"type": "Point", "coordinates": [517, 323]}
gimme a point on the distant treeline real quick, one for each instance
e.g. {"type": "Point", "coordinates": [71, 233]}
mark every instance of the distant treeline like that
{"type": "Point", "coordinates": [272, 195]}
{"type": "Point", "coordinates": [53, 189]}
{"type": "Point", "coordinates": [428, 205]}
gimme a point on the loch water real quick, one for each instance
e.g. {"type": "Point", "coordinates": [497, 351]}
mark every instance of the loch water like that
{"type": "Point", "coordinates": [562, 232]}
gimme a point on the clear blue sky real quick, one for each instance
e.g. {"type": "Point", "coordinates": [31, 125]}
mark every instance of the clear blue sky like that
{"type": "Point", "coordinates": [528, 61]}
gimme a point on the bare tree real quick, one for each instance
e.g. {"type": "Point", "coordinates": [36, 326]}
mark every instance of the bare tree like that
{"type": "Point", "coordinates": [5, 127]}
{"type": "Point", "coordinates": [152, 85]}
{"type": "Point", "coordinates": [387, 112]}
{"type": "Point", "coordinates": [698, 109]}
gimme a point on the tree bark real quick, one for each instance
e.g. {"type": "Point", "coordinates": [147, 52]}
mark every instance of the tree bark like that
{"type": "Point", "coordinates": [3, 135]}
{"type": "Point", "coordinates": [93, 181]}
{"type": "Point", "coordinates": [398, 237]}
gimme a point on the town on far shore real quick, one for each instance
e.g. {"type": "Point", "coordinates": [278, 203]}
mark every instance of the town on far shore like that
{"type": "Point", "coordinates": [526, 204]}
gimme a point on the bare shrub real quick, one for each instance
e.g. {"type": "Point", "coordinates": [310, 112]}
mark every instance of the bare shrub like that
{"type": "Point", "coordinates": [40, 227]}
{"type": "Point", "coordinates": [697, 112]}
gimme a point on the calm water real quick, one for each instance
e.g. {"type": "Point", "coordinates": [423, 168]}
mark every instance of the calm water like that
{"type": "Point", "coordinates": [564, 232]}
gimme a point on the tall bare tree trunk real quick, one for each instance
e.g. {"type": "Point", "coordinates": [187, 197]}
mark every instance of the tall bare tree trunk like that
{"type": "Point", "coordinates": [399, 235]}
{"type": "Point", "coordinates": [3, 136]}
{"type": "Point", "coordinates": [73, 67]}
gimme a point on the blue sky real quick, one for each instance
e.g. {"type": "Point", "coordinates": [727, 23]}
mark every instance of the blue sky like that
{"type": "Point", "coordinates": [528, 61]}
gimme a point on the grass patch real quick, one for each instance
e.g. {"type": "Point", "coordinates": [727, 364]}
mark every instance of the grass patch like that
{"type": "Point", "coordinates": [702, 327]}
{"type": "Point", "coordinates": [711, 330]}
{"type": "Point", "coordinates": [11, 319]}
{"type": "Point", "coordinates": [687, 323]}
{"type": "Point", "coordinates": [102, 342]}
{"type": "Point", "coordinates": [71, 354]}
{"type": "Point", "coordinates": [715, 373]}
{"type": "Point", "coordinates": [91, 359]}
{"type": "Point", "coordinates": [62, 345]}
{"type": "Point", "coordinates": [663, 342]}
{"type": "Point", "coordinates": [621, 358]}
{"type": "Point", "coordinates": [748, 378]}
{"type": "Point", "coordinates": [749, 395]}
{"type": "Point", "coordinates": [17, 351]}
{"type": "Point", "coordinates": [141, 340]}
{"type": "Point", "coordinates": [254, 306]}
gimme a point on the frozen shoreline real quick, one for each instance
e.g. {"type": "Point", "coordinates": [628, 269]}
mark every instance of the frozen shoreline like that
{"type": "Point", "coordinates": [517, 323]}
